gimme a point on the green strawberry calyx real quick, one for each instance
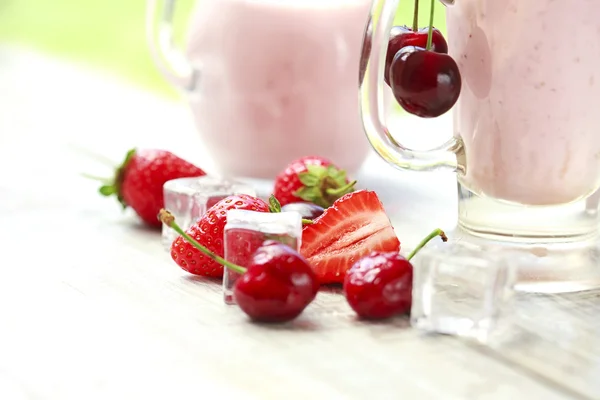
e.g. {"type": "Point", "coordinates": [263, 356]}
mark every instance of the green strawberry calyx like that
{"type": "Point", "coordinates": [322, 185]}
{"type": "Point", "coordinates": [113, 187]}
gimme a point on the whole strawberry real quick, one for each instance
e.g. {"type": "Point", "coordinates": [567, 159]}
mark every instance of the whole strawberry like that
{"type": "Point", "coordinates": [138, 182]}
{"type": "Point", "coordinates": [312, 179]}
{"type": "Point", "coordinates": [208, 231]}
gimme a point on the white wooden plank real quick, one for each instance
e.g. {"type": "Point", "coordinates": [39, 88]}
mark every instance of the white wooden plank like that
{"type": "Point", "coordinates": [96, 309]}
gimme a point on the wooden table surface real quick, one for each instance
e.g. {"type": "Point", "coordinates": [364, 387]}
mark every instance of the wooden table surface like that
{"type": "Point", "coordinates": [92, 307]}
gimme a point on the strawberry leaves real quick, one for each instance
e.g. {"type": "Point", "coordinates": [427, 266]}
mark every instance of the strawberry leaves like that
{"type": "Point", "coordinates": [322, 185]}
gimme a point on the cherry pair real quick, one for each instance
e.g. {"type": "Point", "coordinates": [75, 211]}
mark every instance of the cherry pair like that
{"type": "Point", "coordinates": [424, 79]}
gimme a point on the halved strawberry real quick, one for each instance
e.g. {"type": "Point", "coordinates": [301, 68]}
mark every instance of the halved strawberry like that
{"type": "Point", "coordinates": [354, 226]}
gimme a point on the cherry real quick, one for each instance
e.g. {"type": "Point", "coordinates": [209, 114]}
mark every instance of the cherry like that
{"type": "Point", "coordinates": [403, 36]}
{"type": "Point", "coordinates": [277, 285]}
{"type": "Point", "coordinates": [307, 210]}
{"type": "Point", "coordinates": [425, 83]}
{"type": "Point", "coordinates": [379, 285]}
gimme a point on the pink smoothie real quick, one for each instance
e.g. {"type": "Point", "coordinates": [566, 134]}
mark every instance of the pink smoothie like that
{"type": "Point", "coordinates": [279, 80]}
{"type": "Point", "coordinates": [529, 112]}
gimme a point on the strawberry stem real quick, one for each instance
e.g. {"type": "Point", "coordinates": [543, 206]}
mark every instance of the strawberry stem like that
{"type": "Point", "coordinates": [94, 156]}
{"type": "Point", "coordinates": [168, 219]}
{"type": "Point", "coordinates": [430, 33]}
{"type": "Point", "coordinates": [96, 178]}
{"type": "Point", "coordinates": [341, 190]}
{"type": "Point", "coordinates": [436, 232]}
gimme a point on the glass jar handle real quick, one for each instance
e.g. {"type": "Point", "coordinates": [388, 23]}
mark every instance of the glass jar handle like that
{"type": "Point", "coordinates": [372, 108]}
{"type": "Point", "coordinates": [159, 34]}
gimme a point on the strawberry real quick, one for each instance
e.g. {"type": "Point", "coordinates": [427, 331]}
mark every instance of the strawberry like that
{"type": "Point", "coordinates": [208, 231]}
{"type": "Point", "coordinates": [312, 179]}
{"type": "Point", "coordinates": [354, 226]}
{"type": "Point", "coordinates": [138, 182]}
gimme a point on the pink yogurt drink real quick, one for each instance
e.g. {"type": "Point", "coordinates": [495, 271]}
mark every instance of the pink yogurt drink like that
{"type": "Point", "coordinates": [279, 80]}
{"type": "Point", "coordinates": [528, 111]}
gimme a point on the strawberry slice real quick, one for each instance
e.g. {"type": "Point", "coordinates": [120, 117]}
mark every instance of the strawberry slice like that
{"type": "Point", "coordinates": [354, 226]}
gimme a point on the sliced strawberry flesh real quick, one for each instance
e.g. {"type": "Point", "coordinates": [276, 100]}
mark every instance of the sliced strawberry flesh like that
{"type": "Point", "coordinates": [384, 240]}
{"type": "Point", "coordinates": [346, 232]}
{"type": "Point", "coordinates": [352, 228]}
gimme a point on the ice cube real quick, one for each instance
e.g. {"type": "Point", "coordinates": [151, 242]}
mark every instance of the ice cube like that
{"type": "Point", "coordinates": [463, 291]}
{"type": "Point", "coordinates": [246, 230]}
{"type": "Point", "coordinates": [189, 198]}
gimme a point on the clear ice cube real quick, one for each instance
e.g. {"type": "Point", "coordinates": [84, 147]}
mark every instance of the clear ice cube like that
{"type": "Point", "coordinates": [189, 198]}
{"type": "Point", "coordinates": [462, 291]}
{"type": "Point", "coordinates": [245, 232]}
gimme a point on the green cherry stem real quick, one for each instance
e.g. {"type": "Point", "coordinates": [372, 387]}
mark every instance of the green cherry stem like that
{"type": "Point", "coordinates": [436, 232]}
{"type": "Point", "coordinates": [430, 33]}
{"type": "Point", "coordinates": [168, 219]}
{"type": "Point", "coordinates": [416, 16]}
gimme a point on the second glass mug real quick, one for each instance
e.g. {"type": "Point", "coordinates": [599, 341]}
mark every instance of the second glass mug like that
{"type": "Point", "coordinates": [526, 127]}
{"type": "Point", "coordinates": [267, 81]}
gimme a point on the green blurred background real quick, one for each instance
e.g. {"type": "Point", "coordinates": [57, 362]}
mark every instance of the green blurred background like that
{"type": "Point", "coordinates": [110, 34]}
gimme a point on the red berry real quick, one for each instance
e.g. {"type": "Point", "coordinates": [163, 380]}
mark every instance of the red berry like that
{"type": "Point", "coordinates": [379, 285]}
{"type": "Point", "coordinates": [354, 226]}
{"type": "Point", "coordinates": [208, 231]}
{"type": "Point", "coordinates": [425, 83]}
{"type": "Point", "coordinates": [312, 179]}
{"type": "Point", "coordinates": [277, 285]}
{"type": "Point", "coordinates": [138, 182]}
{"type": "Point", "coordinates": [403, 36]}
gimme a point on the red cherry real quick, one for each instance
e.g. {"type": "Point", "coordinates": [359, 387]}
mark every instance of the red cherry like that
{"type": "Point", "coordinates": [425, 83]}
{"type": "Point", "coordinates": [403, 36]}
{"type": "Point", "coordinates": [379, 285]}
{"type": "Point", "coordinates": [277, 285]}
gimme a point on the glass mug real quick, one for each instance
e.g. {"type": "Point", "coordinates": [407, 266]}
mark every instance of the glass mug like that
{"type": "Point", "coordinates": [526, 127]}
{"type": "Point", "coordinates": [268, 81]}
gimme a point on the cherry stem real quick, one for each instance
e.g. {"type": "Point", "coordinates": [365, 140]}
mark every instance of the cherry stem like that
{"type": "Point", "coordinates": [430, 33]}
{"type": "Point", "coordinates": [416, 16]}
{"type": "Point", "coordinates": [436, 232]}
{"type": "Point", "coordinates": [337, 191]}
{"type": "Point", "coordinates": [168, 219]}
